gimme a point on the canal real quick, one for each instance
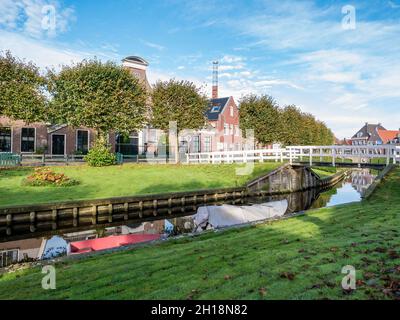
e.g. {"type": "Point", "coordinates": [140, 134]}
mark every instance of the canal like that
{"type": "Point", "coordinates": [348, 190]}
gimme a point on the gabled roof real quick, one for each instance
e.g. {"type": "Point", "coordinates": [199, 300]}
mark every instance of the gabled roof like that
{"type": "Point", "coordinates": [213, 113]}
{"type": "Point", "coordinates": [388, 135]}
{"type": "Point", "coordinates": [369, 132]}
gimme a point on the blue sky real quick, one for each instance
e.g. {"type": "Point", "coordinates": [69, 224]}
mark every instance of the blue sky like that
{"type": "Point", "coordinates": [297, 51]}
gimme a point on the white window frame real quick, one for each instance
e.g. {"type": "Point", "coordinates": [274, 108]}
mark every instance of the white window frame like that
{"type": "Point", "coordinates": [76, 138]}
{"type": "Point", "coordinates": [208, 146]}
{"type": "Point", "coordinates": [34, 141]}
{"type": "Point", "coordinates": [65, 143]}
{"type": "Point", "coordinates": [231, 112]}
{"type": "Point", "coordinates": [215, 109]}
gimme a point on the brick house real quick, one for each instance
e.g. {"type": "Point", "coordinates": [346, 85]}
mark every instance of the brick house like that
{"type": "Point", "coordinates": [19, 137]}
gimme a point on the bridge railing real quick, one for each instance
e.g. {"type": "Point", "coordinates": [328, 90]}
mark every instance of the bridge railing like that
{"type": "Point", "coordinates": [242, 156]}
{"type": "Point", "coordinates": [357, 154]}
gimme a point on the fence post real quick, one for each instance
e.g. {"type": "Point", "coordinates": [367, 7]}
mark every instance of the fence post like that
{"type": "Point", "coordinates": [333, 157]}
{"type": "Point", "coordinates": [311, 155]}
{"type": "Point", "coordinates": [290, 156]}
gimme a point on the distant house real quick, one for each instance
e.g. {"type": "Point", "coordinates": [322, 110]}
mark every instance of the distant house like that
{"type": "Point", "coordinates": [222, 131]}
{"type": "Point", "coordinates": [389, 136]}
{"type": "Point", "coordinates": [368, 135]}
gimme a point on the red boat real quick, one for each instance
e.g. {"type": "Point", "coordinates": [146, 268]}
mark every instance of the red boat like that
{"type": "Point", "coordinates": [110, 242]}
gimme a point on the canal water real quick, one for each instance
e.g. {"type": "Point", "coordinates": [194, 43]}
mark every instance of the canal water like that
{"type": "Point", "coordinates": [349, 190]}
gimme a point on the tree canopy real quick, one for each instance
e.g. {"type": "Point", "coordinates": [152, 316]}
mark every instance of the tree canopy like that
{"type": "Point", "coordinates": [179, 101]}
{"type": "Point", "coordinates": [260, 113]}
{"type": "Point", "coordinates": [287, 125]}
{"type": "Point", "coordinates": [22, 89]}
{"type": "Point", "coordinates": [102, 96]}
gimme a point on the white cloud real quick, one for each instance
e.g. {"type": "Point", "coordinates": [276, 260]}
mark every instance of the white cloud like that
{"type": "Point", "coordinates": [153, 45]}
{"type": "Point", "coordinates": [44, 54]}
{"type": "Point", "coordinates": [36, 18]}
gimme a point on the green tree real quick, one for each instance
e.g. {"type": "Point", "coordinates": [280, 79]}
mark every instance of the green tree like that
{"type": "Point", "coordinates": [22, 89]}
{"type": "Point", "coordinates": [102, 96]}
{"type": "Point", "coordinates": [179, 101]}
{"type": "Point", "coordinates": [260, 113]}
{"type": "Point", "coordinates": [291, 124]}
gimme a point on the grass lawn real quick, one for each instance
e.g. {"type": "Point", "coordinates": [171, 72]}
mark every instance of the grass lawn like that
{"type": "Point", "coordinates": [324, 172]}
{"type": "Point", "coordinates": [297, 258]}
{"type": "Point", "coordinates": [126, 180]}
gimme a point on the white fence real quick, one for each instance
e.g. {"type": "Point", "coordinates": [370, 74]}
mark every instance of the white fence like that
{"type": "Point", "coordinates": [242, 156]}
{"type": "Point", "coordinates": [357, 154]}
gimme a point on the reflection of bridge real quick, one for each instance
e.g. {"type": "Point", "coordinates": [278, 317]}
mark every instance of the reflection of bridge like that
{"type": "Point", "coordinates": [333, 154]}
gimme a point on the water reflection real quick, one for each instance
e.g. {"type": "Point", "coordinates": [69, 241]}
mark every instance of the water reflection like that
{"type": "Point", "coordinates": [349, 190]}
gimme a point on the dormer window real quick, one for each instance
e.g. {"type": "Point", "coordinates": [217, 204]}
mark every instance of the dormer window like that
{"type": "Point", "coordinates": [215, 109]}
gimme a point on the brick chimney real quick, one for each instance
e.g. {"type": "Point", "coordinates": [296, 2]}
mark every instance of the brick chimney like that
{"type": "Point", "coordinates": [214, 94]}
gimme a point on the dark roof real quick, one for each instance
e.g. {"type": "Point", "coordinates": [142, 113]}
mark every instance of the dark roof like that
{"type": "Point", "coordinates": [369, 132]}
{"type": "Point", "coordinates": [136, 59]}
{"type": "Point", "coordinates": [221, 103]}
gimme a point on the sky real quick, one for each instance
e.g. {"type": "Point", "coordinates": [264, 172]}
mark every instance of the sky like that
{"type": "Point", "coordinates": [338, 60]}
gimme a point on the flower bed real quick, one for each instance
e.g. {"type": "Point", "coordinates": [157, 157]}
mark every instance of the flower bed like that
{"type": "Point", "coordinates": [47, 177]}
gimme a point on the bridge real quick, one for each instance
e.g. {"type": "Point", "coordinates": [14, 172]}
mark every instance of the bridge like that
{"type": "Point", "coordinates": [333, 154]}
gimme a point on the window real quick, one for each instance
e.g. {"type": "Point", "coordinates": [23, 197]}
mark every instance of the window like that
{"type": "Point", "coordinates": [215, 109]}
{"type": "Point", "coordinates": [82, 141]}
{"type": "Point", "coordinates": [28, 140]}
{"type": "Point", "coordinates": [207, 144]}
{"type": "Point", "coordinates": [226, 128]}
{"type": "Point", "coordinates": [359, 134]}
{"type": "Point", "coordinates": [5, 139]}
{"type": "Point", "coordinates": [231, 111]}
{"type": "Point", "coordinates": [237, 130]}
{"type": "Point", "coordinates": [196, 144]}
{"type": "Point", "coordinates": [8, 257]}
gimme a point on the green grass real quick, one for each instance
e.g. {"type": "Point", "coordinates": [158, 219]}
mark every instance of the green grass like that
{"type": "Point", "coordinates": [325, 172]}
{"type": "Point", "coordinates": [126, 180]}
{"type": "Point", "coordinates": [297, 258]}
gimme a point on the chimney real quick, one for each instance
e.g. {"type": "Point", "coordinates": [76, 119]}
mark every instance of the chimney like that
{"type": "Point", "coordinates": [215, 80]}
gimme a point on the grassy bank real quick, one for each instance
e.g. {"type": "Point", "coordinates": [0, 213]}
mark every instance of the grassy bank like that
{"type": "Point", "coordinates": [298, 258]}
{"type": "Point", "coordinates": [126, 180]}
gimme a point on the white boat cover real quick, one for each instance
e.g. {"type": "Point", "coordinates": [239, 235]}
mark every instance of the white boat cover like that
{"type": "Point", "coordinates": [228, 215]}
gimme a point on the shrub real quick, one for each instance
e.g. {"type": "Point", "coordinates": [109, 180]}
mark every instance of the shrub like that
{"type": "Point", "coordinates": [47, 177]}
{"type": "Point", "coordinates": [99, 156]}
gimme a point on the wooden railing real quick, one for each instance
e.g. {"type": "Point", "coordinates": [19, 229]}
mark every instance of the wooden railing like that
{"type": "Point", "coordinates": [8, 159]}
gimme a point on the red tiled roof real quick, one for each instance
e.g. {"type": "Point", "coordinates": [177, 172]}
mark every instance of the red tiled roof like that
{"type": "Point", "coordinates": [388, 135]}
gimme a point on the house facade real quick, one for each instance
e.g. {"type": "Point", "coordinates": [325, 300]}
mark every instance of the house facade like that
{"type": "Point", "coordinates": [375, 134]}
{"type": "Point", "coordinates": [19, 137]}
{"type": "Point", "coordinates": [368, 135]}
